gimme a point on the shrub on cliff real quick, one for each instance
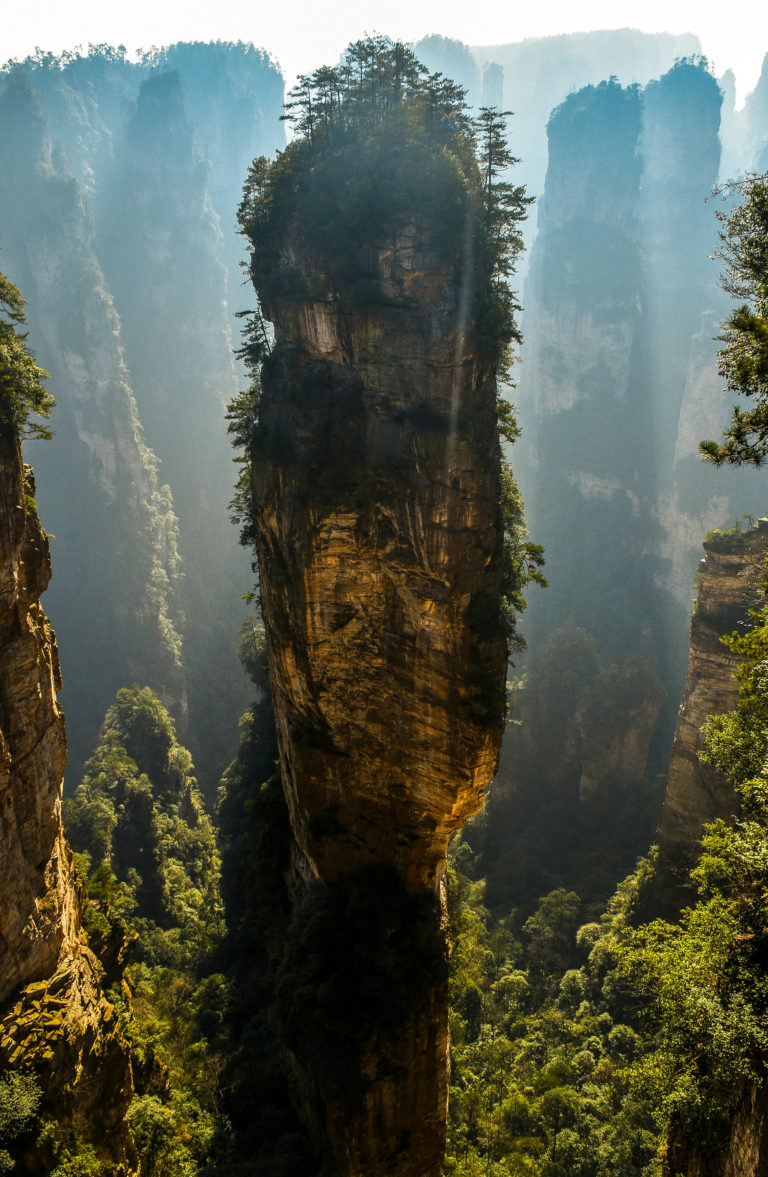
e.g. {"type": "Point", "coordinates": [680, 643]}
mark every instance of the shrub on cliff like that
{"type": "Point", "coordinates": [380, 144]}
{"type": "Point", "coordinates": [744, 358]}
{"type": "Point", "coordinates": [22, 394]}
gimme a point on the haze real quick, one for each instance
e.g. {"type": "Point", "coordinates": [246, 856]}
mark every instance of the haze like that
{"type": "Point", "coordinates": [300, 39]}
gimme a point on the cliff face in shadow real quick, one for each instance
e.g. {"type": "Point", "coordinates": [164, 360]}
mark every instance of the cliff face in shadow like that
{"type": "Point", "coordinates": [746, 1154]}
{"type": "Point", "coordinates": [115, 527]}
{"type": "Point", "coordinates": [619, 367]}
{"type": "Point", "coordinates": [54, 1020]}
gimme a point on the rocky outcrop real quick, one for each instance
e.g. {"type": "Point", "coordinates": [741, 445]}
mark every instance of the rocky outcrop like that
{"type": "Point", "coordinates": [379, 542]}
{"type": "Point", "coordinates": [54, 1019]}
{"type": "Point", "coordinates": [730, 578]}
{"type": "Point", "coordinates": [379, 549]}
{"type": "Point", "coordinates": [746, 1154]}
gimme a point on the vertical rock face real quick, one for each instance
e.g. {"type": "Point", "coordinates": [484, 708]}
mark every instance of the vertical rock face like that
{"type": "Point", "coordinates": [376, 499]}
{"type": "Point", "coordinates": [36, 870]}
{"type": "Point", "coordinates": [730, 576]}
{"type": "Point", "coordinates": [379, 545]}
{"type": "Point", "coordinates": [54, 1019]}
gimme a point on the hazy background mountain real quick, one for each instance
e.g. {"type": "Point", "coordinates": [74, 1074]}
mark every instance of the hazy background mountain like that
{"type": "Point", "coordinates": [120, 183]}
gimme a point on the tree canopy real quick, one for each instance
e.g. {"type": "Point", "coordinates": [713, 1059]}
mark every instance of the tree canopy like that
{"type": "Point", "coordinates": [744, 358]}
{"type": "Point", "coordinates": [378, 140]}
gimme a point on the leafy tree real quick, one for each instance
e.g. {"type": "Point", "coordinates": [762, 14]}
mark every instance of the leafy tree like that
{"type": "Point", "coordinates": [154, 892]}
{"type": "Point", "coordinates": [539, 1085]}
{"type": "Point", "coordinates": [22, 394]}
{"type": "Point", "coordinates": [744, 359]}
{"type": "Point", "coordinates": [20, 1097]}
{"type": "Point", "coordinates": [707, 1020]}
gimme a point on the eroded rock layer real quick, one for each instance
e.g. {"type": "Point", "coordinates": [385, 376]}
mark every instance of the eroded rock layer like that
{"type": "Point", "coordinates": [54, 1019]}
{"type": "Point", "coordinates": [376, 499]}
{"type": "Point", "coordinates": [729, 580]}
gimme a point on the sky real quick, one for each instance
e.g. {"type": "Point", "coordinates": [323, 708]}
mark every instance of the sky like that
{"type": "Point", "coordinates": [300, 39]}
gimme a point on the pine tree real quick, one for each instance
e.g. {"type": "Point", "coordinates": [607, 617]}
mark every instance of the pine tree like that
{"type": "Point", "coordinates": [744, 359]}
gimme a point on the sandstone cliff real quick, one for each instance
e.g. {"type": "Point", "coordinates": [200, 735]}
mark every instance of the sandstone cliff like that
{"type": "Point", "coordinates": [730, 576]}
{"type": "Point", "coordinates": [54, 1019]}
{"type": "Point", "coordinates": [378, 542]}
{"type": "Point", "coordinates": [379, 547]}
{"type": "Point", "coordinates": [376, 485]}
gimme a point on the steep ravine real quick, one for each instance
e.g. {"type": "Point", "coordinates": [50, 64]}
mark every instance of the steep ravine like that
{"type": "Point", "coordinates": [54, 1020]}
{"type": "Point", "coordinates": [379, 543]}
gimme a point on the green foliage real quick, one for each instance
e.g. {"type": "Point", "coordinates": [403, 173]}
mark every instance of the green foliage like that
{"type": "Point", "coordinates": [574, 714]}
{"type": "Point", "coordinates": [539, 1048]}
{"type": "Point", "coordinates": [137, 813]}
{"type": "Point", "coordinates": [20, 1098]}
{"type": "Point", "coordinates": [744, 358]}
{"type": "Point", "coordinates": [522, 560]}
{"type": "Point", "coordinates": [379, 142]}
{"type": "Point", "coordinates": [22, 394]}
{"type": "Point", "coordinates": [159, 1137]}
{"type": "Point", "coordinates": [84, 1163]}
{"type": "Point", "coordinates": [150, 853]}
{"type": "Point", "coordinates": [242, 415]}
{"type": "Point", "coordinates": [705, 979]}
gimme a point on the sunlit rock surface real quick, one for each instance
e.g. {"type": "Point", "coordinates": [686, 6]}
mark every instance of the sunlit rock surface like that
{"type": "Point", "coordinates": [376, 499]}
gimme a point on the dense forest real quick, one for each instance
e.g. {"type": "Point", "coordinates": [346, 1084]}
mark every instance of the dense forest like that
{"type": "Point", "coordinates": [263, 966]}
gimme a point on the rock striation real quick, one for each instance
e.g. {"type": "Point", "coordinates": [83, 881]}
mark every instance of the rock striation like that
{"type": "Point", "coordinates": [379, 544]}
{"type": "Point", "coordinates": [729, 586]}
{"type": "Point", "coordinates": [54, 1019]}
